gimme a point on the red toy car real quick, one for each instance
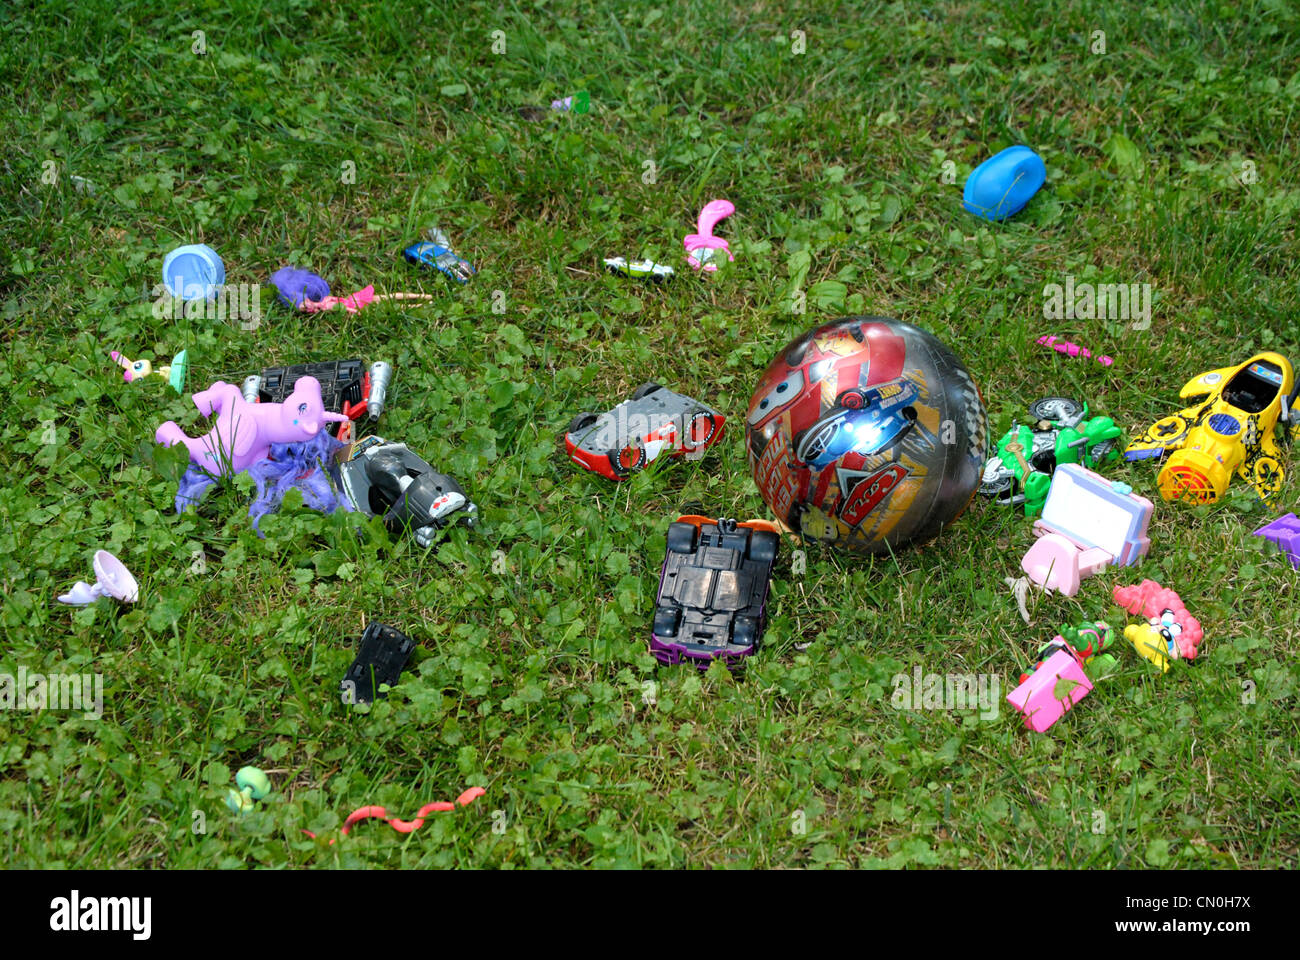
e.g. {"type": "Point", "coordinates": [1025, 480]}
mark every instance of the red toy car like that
{"type": "Point", "coordinates": [654, 422]}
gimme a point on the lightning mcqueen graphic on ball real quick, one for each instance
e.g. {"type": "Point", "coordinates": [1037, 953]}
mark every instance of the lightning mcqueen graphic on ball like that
{"type": "Point", "coordinates": [867, 421]}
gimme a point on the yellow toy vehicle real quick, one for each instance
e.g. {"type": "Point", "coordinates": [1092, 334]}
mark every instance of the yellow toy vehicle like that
{"type": "Point", "coordinates": [1230, 425]}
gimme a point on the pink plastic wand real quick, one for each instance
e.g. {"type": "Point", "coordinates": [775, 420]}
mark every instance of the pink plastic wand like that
{"type": "Point", "coordinates": [1073, 350]}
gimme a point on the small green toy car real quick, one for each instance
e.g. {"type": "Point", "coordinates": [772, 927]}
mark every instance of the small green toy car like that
{"type": "Point", "coordinates": [1021, 472]}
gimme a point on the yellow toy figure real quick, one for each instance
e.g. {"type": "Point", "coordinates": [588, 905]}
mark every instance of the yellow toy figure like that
{"type": "Point", "coordinates": [1170, 633]}
{"type": "Point", "coordinates": [174, 373]}
{"type": "Point", "coordinates": [1230, 425]}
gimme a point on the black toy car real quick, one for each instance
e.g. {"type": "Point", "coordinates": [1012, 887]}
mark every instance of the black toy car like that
{"type": "Point", "coordinates": [387, 480]}
{"type": "Point", "coordinates": [712, 600]}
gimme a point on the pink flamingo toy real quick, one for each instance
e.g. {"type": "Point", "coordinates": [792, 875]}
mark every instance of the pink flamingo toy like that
{"type": "Point", "coordinates": [700, 246]}
{"type": "Point", "coordinates": [245, 431]}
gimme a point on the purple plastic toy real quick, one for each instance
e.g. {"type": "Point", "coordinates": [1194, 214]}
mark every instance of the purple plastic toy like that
{"type": "Point", "coordinates": [245, 431]}
{"type": "Point", "coordinates": [1285, 532]}
{"type": "Point", "coordinates": [296, 285]}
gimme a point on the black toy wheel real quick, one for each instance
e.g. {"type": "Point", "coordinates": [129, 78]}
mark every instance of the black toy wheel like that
{"type": "Point", "coordinates": [581, 422]}
{"type": "Point", "coordinates": [668, 620]}
{"type": "Point", "coordinates": [699, 431]}
{"type": "Point", "coordinates": [744, 632]}
{"type": "Point", "coordinates": [763, 545]}
{"type": "Point", "coordinates": [1001, 488]}
{"type": "Point", "coordinates": [645, 390]}
{"type": "Point", "coordinates": [682, 537]}
{"type": "Point", "coordinates": [851, 399]}
{"type": "Point", "coordinates": [1055, 409]}
{"type": "Point", "coordinates": [628, 459]}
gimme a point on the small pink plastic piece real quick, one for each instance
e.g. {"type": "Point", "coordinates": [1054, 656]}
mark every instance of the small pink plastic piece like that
{"type": "Point", "coordinates": [122, 362]}
{"type": "Point", "coordinates": [352, 303]}
{"type": "Point", "coordinates": [1036, 697]}
{"type": "Point", "coordinates": [703, 239]}
{"type": "Point", "coordinates": [1073, 350]}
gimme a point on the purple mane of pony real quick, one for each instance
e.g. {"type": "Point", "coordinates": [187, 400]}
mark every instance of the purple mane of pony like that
{"type": "Point", "coordinates": [296, 285]}
{"type": "Point", "coordinates": [307, 465]}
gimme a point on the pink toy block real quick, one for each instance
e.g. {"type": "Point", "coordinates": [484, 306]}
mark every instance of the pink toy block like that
{"type": "Point", "coordinates": [1036, 697]}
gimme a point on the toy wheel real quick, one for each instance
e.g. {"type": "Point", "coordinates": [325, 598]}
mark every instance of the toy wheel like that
{"type": "Point", "coordinates": [668, 620]}
{"type": "Point", "coordinates": [682, 537]}
{"type": "Point", "coordinates": [645, 390]}
{"type": "Point", "coordinates": [699, 431]}
{"type": "Point", "coordinates": [581, 422]}
{"type": "Point", "coordinates": [1054, 409]}
{"type": "Point", "coordinates": [851, 399]}
{"type": "Point", "coordinates": [1002, 488]}
{"type": "Point", "coordinates": [763, 545]}
{"type": "Point", "coordinates": [627, 459]}
{"type": "Point", "coordinates": [744, 632]}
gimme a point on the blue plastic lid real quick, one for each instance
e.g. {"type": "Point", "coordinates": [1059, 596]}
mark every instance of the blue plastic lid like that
{"type": "Point", "coordinates": [193, 272]}
{"type": "Point", "coordinates": [1001, 186]}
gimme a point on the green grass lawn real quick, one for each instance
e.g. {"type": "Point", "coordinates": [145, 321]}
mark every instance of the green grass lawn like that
{"type": "Point", "coordinates": [1172, 160]}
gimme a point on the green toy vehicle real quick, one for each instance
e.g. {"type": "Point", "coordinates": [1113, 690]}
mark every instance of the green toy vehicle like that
{"type": "Point", "coordinates": [1060, 432]}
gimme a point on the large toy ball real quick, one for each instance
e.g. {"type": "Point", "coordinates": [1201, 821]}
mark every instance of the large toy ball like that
{"type": "Point", "coordinates": [868, 433]}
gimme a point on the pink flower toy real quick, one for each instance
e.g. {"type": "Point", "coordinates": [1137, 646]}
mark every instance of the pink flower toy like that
{"type": "Point", "coordinates": [700, 246]}
{"type": "Point", "coordinates": [245, 431]}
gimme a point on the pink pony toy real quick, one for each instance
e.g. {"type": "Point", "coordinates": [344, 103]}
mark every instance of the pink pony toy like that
{"type": "Point", "coordinates": [1170, 633]}
{"type": "Point", "coordinates": [245, 431]}
{"type": "Point", "coordinates": [1073, 350]}
{"type": "Point", "coordinates": [700, 246]}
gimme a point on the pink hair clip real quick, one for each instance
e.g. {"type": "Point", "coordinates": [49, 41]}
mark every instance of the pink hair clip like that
{"type": "Point", "coordinates": [1073, 350]}
{"type": "Point", "coordinates": [700, 245]}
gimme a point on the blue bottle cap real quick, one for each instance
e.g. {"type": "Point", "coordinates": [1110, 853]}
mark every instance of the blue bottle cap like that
{"type": "Point", "coordinates": [193, 272]}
